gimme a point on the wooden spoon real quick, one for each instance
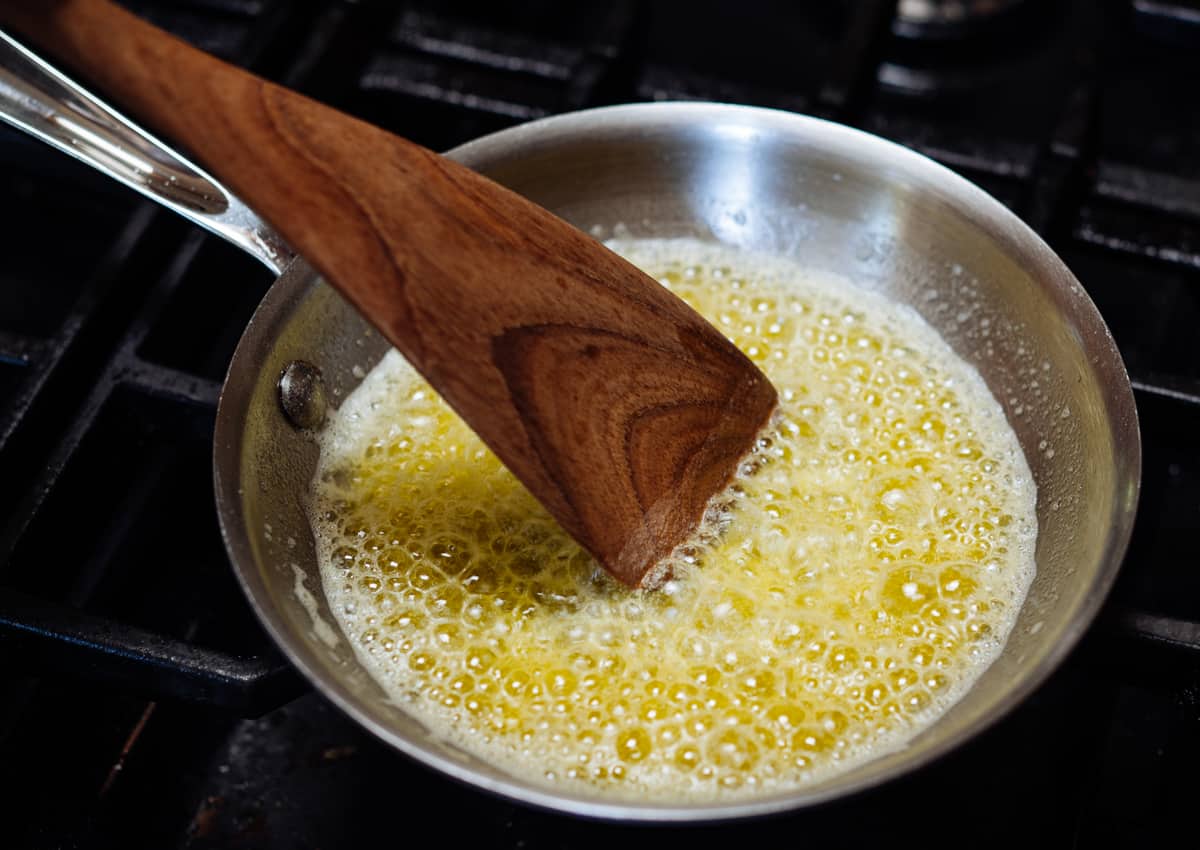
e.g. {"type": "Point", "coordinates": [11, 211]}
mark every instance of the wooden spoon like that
{"type": "Point", "coordinates": [619, 407]}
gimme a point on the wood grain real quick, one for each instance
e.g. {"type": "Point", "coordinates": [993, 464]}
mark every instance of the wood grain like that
{"type": "Point", "coordinates": [618, 406]}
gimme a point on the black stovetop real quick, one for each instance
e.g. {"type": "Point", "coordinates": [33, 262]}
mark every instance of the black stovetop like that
{"type": "Point", "coordinates": [117, 322]}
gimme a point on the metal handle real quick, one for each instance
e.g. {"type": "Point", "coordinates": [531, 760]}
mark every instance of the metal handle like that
{"type": "Point", "coordinates": [38, 99]}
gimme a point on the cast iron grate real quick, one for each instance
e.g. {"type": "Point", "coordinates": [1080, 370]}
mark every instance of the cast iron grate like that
{"type": "Point", "coordinates": [1079, 116]}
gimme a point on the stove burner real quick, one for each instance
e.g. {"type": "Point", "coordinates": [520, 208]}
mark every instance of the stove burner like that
{"type": "Point", "coordinates": [944, 48]}
{"type": "Point", "coordinates": [949, 19]}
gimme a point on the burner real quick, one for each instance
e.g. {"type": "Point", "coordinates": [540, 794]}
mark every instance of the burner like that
{"type": "Point", "coordinates": [949, 19]}
{"type": "Point", "coordinates": [971, 47]}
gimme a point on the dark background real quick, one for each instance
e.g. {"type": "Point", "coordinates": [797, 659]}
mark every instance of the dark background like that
{"type": "Point", "coordinates": [117, 322]}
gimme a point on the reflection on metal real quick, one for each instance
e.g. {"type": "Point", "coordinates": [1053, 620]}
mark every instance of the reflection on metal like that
{"type": "Point", "coordinates": [36, 98]}
{"type": "Point", "coordinates": [302, 394]}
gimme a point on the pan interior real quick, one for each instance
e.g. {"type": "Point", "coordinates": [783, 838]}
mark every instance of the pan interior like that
{"type": "Point", "coordinates": [832, 198]}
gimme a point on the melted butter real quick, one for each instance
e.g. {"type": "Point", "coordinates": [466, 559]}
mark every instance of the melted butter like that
{"type": "Point", "coordinates": [869, 569]}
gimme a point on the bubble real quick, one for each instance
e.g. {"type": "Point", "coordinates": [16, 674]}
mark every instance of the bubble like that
{"type": "Point", "coordinates": [633, 745]}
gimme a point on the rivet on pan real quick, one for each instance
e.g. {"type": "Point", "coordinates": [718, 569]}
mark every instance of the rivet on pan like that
{"type": "Point", "coordinates": [302, 394]}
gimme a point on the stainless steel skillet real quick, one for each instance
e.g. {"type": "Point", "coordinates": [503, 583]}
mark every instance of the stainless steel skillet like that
{"type": "Point", "coordinates": [832, 197]}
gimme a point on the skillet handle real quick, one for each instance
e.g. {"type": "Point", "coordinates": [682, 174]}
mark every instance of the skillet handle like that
{"type": "Point", "coordinates": [38, 99]}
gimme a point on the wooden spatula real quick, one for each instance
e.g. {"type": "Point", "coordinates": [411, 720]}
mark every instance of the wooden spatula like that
{"type": "Point", "coordinates": [619, 407]}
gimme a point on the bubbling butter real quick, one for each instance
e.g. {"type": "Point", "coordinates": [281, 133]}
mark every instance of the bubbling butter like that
{"type": "Point", "coordinates": [870, 569]}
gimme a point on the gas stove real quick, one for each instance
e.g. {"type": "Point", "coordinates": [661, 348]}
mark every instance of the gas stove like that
{"type": "Point", "coordinates": [141, 705]}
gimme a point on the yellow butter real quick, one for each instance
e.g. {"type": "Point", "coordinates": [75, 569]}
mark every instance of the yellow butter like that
{"type": "Point", "coordinates": [868, 571]}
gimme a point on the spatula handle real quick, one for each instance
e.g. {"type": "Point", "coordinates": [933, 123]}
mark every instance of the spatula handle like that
{"type": "Point", "coordinates": [619, 407]}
